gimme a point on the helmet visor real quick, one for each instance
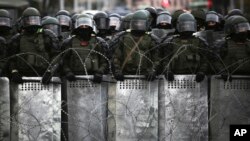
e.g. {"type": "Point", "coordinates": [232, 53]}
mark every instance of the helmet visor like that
{"type": "Point", "coordinates": [212, 18]}
{"type": "Point", "coordinates": [164, 18]}
{"type": "Point", "coordinates": [102, 23]}
{"type": "Point", "coordinates": [53, 27]}
{"type": "Point", "coordinates": [32, 21]}
{"type": "Point", "coordinates": [64, 20]}
{"type": "Point", "coordinates": [242, 27]}
{"type": "Point", "coordinates": [84, 22]}
{"type": "Point", "coordinates": [187, 26]}
{"type": "Point", "coordinates": [5, 21]}
{"type": "Point", "coordinates": [114, 22]}
{"type": "Point", "coordinates": [138, 25]}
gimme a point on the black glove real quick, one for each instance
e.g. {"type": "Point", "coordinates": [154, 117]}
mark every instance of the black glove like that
{"type": "Point", "coordinates": [17, 77]}
{"type": "Point", "coordinates": [200, 76]}
{"type": "Point", "coordinates": [1, 72]}
{"type": "Point", "coordinates": [169, 76]}
{"type": "Point", "coordinates": [97, 78]}
{"type": "Point", "coordinates": [151, 76]}
{"type": "Point", "coordinates": [47, 77]}
{"type": "Point", "coordinates": [226, 77]}
{"type": "Point", "coordinates": [70, 76]}
{"type": "Point", "coordinates": [119, 76]}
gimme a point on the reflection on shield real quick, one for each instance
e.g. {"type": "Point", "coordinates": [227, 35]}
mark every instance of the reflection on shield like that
{"type": "Point", "coordinates": [183, 109]}
{"type": "Point", "coordinates": [86, 107]}
{"type": "Point", "coordinates": [35, 110]}
{"type": "Point", "coordinates": [133, 107]}
{"type": "Point", "coordinates": [230, 102]}
{"type": "Point", "coordinates": [4, 109]}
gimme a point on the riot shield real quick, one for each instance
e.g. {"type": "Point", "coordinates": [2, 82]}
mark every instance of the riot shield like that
{"type": "Point", "coordinates": [133, 110]}
{"type": "Point", "coordinates": [35, 110]}
{"type": "Point", "coordinates": [4, 109]}
{"type": "Point", "coordinates": [229, 104]}
{"type": "Point", "coordinates": [86, 109]}
{"type": "Point", "coordinates": [183, 109]}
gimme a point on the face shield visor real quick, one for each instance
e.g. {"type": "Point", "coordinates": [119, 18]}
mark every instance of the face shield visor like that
{"type": "Point", "coordinates": [31, 21]}
{"type": "Point", "coordinates": [102, 23]}
{"type": "Point", "coordinates": [188, 26]}
{"type": "Point", "coordinates": [138, 25]}
{"type": "Point", "coordinates": [242, 27]}
{"type": "Point", "coordinates": [163, 18]}
{"type": "Point", "coordinates": [212, 18]}
{"type": "Point", "coordinates": [84, 23]}
{"type": "Point", "coordinates": [114, 23]}
{"type": "Point", "coordinates": [6, 22]}
{"type": "Point", "coordinates": [64, 20]}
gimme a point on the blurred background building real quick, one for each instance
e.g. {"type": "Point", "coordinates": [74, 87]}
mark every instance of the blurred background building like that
{"type": "Point", "coordinates": [50, 7]}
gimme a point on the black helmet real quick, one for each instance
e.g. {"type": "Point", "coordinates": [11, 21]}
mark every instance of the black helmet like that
{"type": "Point", "coordinates": [240, 24]}
{"type": "Point", "coordinates": [200, 17]}
{"type": "Point", "coordinates": [64, 19]}
{"type": "Point", "coordinates": [5, 19]}
{"type": "Point", "coordinates": [175, 16]}
{"type": "Point", "coordinates": [52, 24]}
{"type": "Point", "coordinates": [139, 21]}
{"type": "Point", "coordinates": [234, 12]}
{"type": "Point", "coordinates": [186, 23]}
{"type": "Point", "coordinates": [31, 17]}
{"type": "Point", "coordinates": [85, 21]}
{"type": "Point", "coordinates": [164, 20]}
{"type": "Point", "coordinates": [153, 13]}
{"type": "Point", "coordinates": [212, 20]}
{"type": "Point", "coordinates": [101, 20]}
{"type": "Point", "coordinates": [114, 21]}
{"type": "Point", "coordinates": [126, 22]}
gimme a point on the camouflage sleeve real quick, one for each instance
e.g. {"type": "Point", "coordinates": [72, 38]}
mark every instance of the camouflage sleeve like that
{"type": "Point", "coordinates": [117, 58]}
{"type": "Point", "coordinates": [12, 50]}
{"type": "Point", "coordinates": [204, 56]}
{"type": "Point", "coordinates": [103, 60]}
{"type": "Point", "coordinates": [66, 45]}
{"type": "Point", "coordinates": [154, 53]}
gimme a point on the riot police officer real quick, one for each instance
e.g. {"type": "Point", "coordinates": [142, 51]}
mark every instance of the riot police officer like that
{"type": "Point", "coordinates": [65, 22]}
{"type": "Point", "coordinates": [199, 16]}
{"type": "Point", "coordinates": [235, 49]}
{"type": "Point", "coordinates": [184, 53]}
{"type": "Point", "coordinates": [134, 51]}
{"type": "Point", "coordinates": [5, 24]}
{"type": "Point", "coordinates": [3, 55]}
{"type": "Point", "coordinates": [84, 52]}
{"type": "Point", "coordinates": [163, 24]}
{"type": "Point", "coordinates": [53, 25]}
{"type": "Point", "coordinates": [33, 49]}
{"type": "Point", "coordinates": [102, 24]}
{"type": "Point", "coordinates": [125, 23]}
{"type": "Point", "coordinates": [114, 24]}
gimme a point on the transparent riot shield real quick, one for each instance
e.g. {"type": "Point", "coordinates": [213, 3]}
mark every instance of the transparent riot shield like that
{"type": "Point", "coordinates": [86, 109]}
{"type": "Point", "coordinates": [35, 110]}
{"type": "Point", "coordinates": [229, 104]}
{"type": "Point", "coordinates": [183, 109]}
{"type": "Point", "coordinates": [133, 110]}
{"type": "Point", "coordinates": [4, 109]}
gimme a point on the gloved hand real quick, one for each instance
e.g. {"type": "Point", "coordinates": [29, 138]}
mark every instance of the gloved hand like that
{"type": "Point", "coordinates": [16, 77]}
{"type": "Point", "coordinates": [151, 76]}
{"type": "Point", "coordinates": [200, 76]}
{"type": "Point", "coordinates": [97, 78]}
{"type": "Point", "coordinates": [119, 76]}
{"type": "Point", "coordinates": [47, 77]}
{"type": "Point", "coordinates": [169, 76]}
{"type": "Point", "coordinates": [226, 77]}
{"type": "Point", "coordinates": [70, 76]}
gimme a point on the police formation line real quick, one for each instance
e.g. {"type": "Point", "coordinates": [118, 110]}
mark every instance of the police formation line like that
{"type": "Point", "coordinates": [147, 42]}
